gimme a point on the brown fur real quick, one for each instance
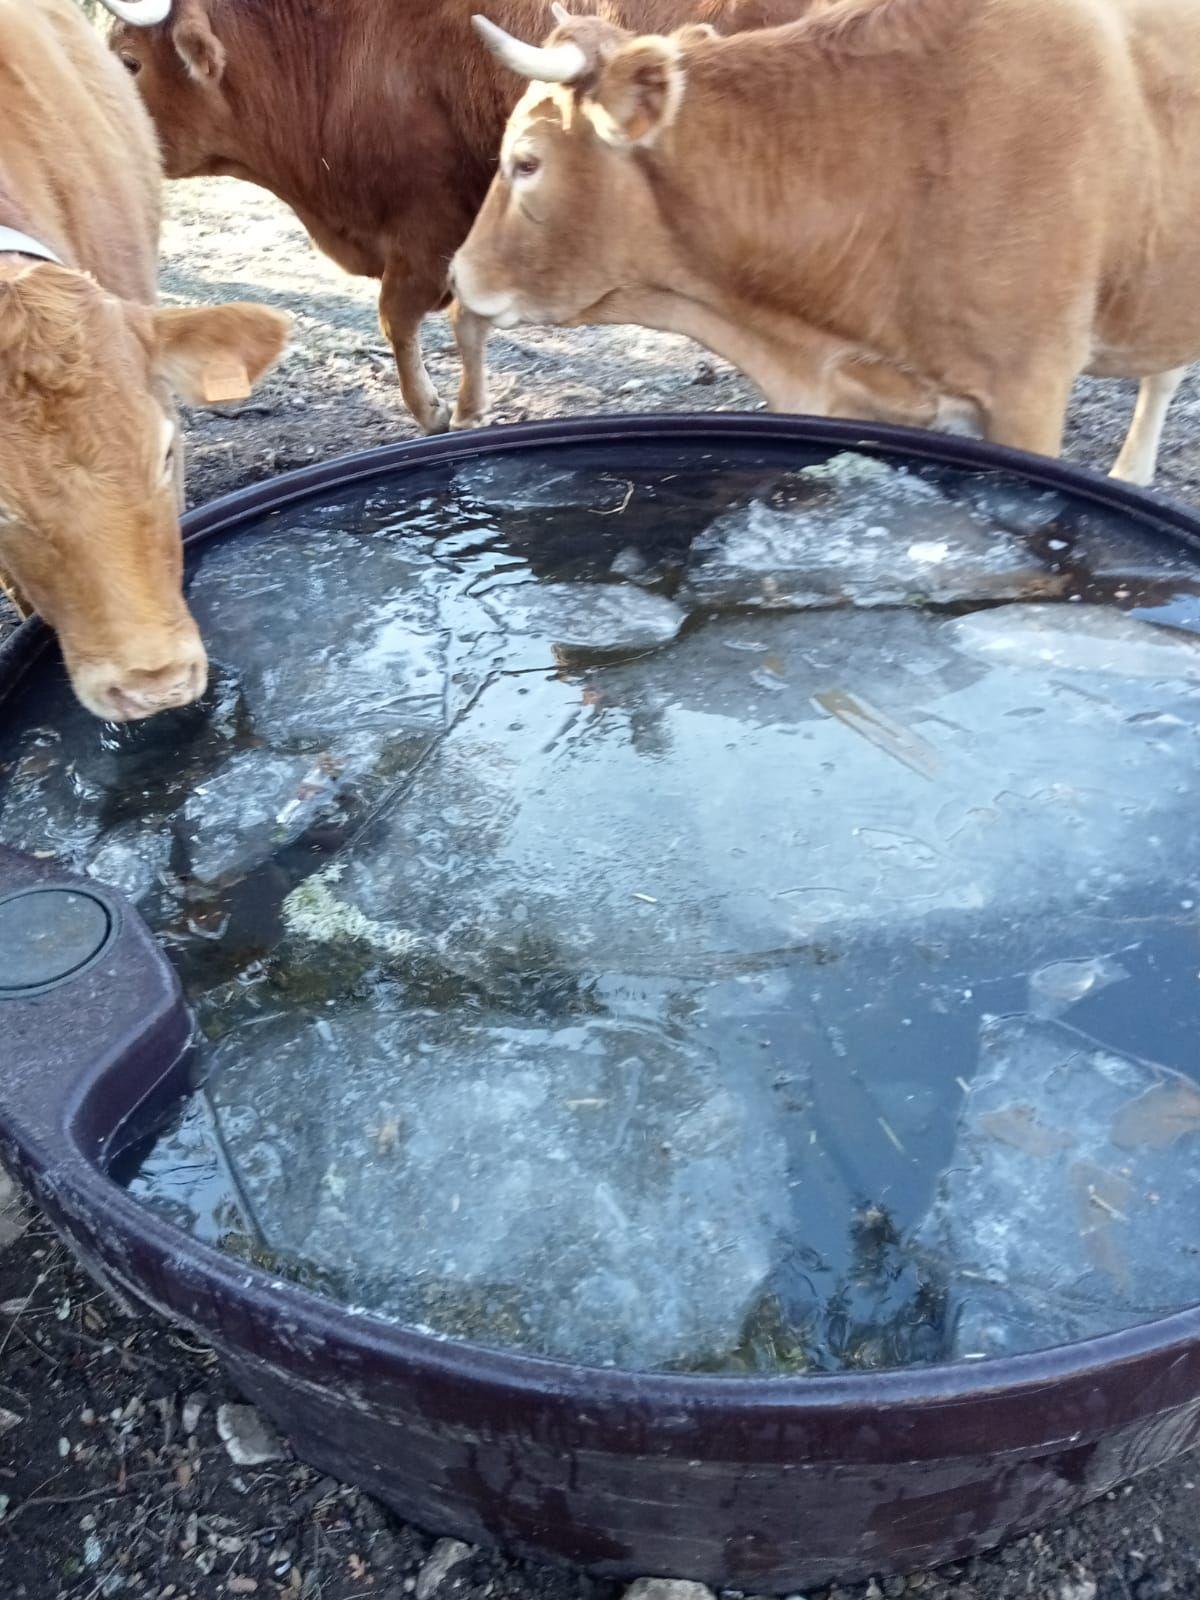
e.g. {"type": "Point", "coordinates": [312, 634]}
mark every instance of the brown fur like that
{"type": "Point", "coordinates": [89, 496]}
{"type": "Point", "coordinates": [377, 121]}
{"type": "Point", "coordinates": [950, 206]}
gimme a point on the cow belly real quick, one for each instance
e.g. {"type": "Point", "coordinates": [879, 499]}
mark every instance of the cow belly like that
{"type": "Point", "coordinates": [1144, 360]}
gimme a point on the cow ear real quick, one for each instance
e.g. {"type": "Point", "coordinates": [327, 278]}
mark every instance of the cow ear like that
{"type": "Point", "coordinates": [213, 353]}
{"type": "Point", "coordinates": [638, 92]}
{"type": "Point", "coordinates": [201, 52]}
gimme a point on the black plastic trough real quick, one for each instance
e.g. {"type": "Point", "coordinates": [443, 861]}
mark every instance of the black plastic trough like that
{"type": "Point", "coordinates": [763, 1484]}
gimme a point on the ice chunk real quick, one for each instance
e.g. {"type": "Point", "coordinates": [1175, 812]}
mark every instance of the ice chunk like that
{"type": "Point", "coordinates": [1012, 503]}
{"type": "Point", "coordinates": [132, 859]}
{"type": "Point", "coordinates": [875, 537]}
{"type": "Point", "coordinates": [507, 483]}
{"type": "Point", "coordinates": [587, 1190]}
{"type": "Point", "coordinates": [1057, 986]}
{"type": "Point", "coordinates": [44, 808]}
{"type": "Point", "coordinates": [1068, 1206]}
{"type": "Point", "coordinates": [591, 618]}
{"type": "Point", "coordinates": [329, 631]}
{"type": "Point", "coordinates": [261, 801]}
{"type": "Point", "coordinates": [1086, 639]}
{"type": "Point", "coordinates": [713, 801]}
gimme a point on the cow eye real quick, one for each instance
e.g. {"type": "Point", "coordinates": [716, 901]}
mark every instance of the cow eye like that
{"type": "Point", "coordinates": [168, 465]}
{"type": "Point", "coordinates": [526, 166]}
{"type": "Point", "coordinates": [130, 63]}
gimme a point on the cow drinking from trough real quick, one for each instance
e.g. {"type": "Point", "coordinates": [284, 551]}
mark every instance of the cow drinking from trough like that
{"type": "Point", "coordinates": [90, 465]}
{"type": "Point", "coordinates": [376, 121]}
{"type": "Point", "coordinates": [972, 202]}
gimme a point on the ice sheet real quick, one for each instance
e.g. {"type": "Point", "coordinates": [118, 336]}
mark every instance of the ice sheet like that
{"type": "Point", "coordinates": [1069, 1206]}
{"type": "Point", "coordinates": [860, 532]}
{"type": "Point", "coordinates": [590, 1190]}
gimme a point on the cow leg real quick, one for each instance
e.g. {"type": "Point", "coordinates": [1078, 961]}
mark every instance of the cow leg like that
{"type": "Point", "coordinates": [471, 335]}
{"type": "Point", "coordinates": [402, 304]}
{"type": "Point", "coordinates": [1139, 453]}
{"type": "Point", "coordinates": [1030, 412]}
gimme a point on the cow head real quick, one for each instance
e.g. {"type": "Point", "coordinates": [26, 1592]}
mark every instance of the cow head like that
{"type": "Point", "coordinates": [90, 472]}
{"type": "Point", "coordinates": [179, 66]}
{"type": "Point", "coordinates": [571, 215]}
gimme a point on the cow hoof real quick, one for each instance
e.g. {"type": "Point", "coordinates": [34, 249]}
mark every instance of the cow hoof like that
{"type": "Point", "coordinates": [438, 419]}
{"type": "Point", "coordinates": [460, 422]}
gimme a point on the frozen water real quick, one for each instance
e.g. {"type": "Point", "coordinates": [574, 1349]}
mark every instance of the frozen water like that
{"type": "Point", "coordinates": [1088, 639]}
{"type": "Point", "coordinates": [133, 859]}
{"type": "Point", "coordinates": [504, 484]}
{"type": "Point", "coordinates": [593, 883]}
{"type": "Point", "coordinates": [593, 1190]}
{"type": "Point", "coordinates": [358, 631]}
{"type": "Point", "coordinates": [865, 534]}
{"type": "Point", "coordinates": [772, 780]}
{"type": "Point", "coordinates": [1069, 1206]}
{"type": "Point", "coordinates": [1053, 989]}
{"type": "Point", "coordinates": [259, 802]}
{"type": "Point", "coordinates": [577, 619]}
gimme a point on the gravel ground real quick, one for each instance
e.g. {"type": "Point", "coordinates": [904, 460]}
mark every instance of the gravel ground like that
{"type": "Point", "coordinates": [114, 1479]}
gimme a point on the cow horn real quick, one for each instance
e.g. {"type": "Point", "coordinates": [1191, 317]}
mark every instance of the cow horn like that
{"type": "Point", "coordinates": [141, 13]}
{"type": "Point", "coordinates": [556, 63]}
{"type": "Point", "coordinates": [560, 14]}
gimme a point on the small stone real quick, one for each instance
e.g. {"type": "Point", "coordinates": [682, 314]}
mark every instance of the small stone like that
{"type": "Point", "coordinates": [894, 1587]}
{"type": "Point", "coordinates": [9, 1420]}
{"type": "Point", "coordinates": [705, 374]}
{"type": "Point", "coordinates": [443, 1558]}
{"type": "Point", "coordinates": [1082, 1588]}
{"type": "Point", "coordinates": [248, 1439]}
{"type": "Point", "coordinates": [667, 1589]}
{"type": "Point", "coordinates": [93, 1550]}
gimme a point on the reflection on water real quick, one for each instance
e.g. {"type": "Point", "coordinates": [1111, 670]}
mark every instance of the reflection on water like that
{"type": "Point", "coordinates": [670, 911]}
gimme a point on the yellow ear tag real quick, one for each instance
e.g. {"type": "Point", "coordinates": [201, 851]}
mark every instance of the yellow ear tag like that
{"type": "Point", "coordinates": [224, 380]}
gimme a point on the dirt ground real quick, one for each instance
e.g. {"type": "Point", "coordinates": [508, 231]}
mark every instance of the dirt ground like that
{"type": "Point", "coordinates": [113, 1478]}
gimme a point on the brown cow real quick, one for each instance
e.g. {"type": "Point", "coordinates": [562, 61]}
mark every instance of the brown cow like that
{"type": "Point", "coordinates": [376, 121]}
{"type": "Point", "coordinates": [90, 465]}
{"type": "Point", "coordinates": [976, 201]}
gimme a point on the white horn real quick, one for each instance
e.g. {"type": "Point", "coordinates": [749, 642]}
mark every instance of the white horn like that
{"type": "Point", "coordinates": [560, 14]}
{"type": "Point", "coordinates": [142, 13]}
{"type": "Point", "coordinates": [559, 63]}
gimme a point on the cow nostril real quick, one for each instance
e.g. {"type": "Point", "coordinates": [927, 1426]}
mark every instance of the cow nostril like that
{"type": "Point", "coordinates": [142, 692]}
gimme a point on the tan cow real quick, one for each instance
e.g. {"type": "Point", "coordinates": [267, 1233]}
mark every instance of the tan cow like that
{"type": "Point", "coordinates": [90, 463]}
{"type": "Point", "coordinates": [934, 211]}
{"type": "Point", "coordinates": [377, 121]}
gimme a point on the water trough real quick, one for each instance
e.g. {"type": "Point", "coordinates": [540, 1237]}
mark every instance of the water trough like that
{"type": "Point", "coordinates": [912, 1419]}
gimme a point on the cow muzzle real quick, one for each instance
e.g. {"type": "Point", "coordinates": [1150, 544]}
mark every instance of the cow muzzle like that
{"type": "Point", "coordinates": [498, 307]}
{"type": "Point", "coordinates": [127, 693]}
